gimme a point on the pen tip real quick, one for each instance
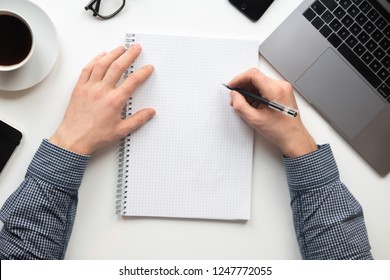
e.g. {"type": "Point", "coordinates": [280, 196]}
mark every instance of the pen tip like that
{"type": "Point", "coordinates": [225, 85]}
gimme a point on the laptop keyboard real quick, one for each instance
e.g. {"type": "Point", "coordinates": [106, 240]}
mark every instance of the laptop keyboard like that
{"type": "Point", "coordinates": [360, 31]}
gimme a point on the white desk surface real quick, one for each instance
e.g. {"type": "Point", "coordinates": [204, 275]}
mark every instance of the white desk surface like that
{"type": "Point", "coordinates": [98, 232]}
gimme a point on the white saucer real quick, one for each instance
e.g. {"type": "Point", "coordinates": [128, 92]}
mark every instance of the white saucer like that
{"type": "Point", "coordinates": [45, 52]}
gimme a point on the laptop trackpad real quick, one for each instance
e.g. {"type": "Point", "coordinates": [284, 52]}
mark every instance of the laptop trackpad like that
{"type": "Point", "coordinates": [339, 93]}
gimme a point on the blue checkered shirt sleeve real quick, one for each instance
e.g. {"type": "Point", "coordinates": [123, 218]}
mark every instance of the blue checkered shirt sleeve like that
{"type": "Point", "coordinates": [38, 217]}
{"type": "Point", "coordinates": [328, 220]}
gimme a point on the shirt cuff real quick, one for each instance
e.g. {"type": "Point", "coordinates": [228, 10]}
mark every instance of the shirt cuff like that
{"type": "Point", "coordinates": [58, 166]}
{"type": "Point", "coordinates": [311, 171]}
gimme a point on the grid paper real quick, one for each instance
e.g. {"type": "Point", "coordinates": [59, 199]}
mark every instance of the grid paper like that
{"type": "Point", "coordinates": [194, 159]}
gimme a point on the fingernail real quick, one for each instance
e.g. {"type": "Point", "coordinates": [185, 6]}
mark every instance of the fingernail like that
{"type": "Point", "coordinates": [137, 46]}
{"type": "Point", "coordinates": [151, 112]}
{"type": "Point", "coordinates": [100, 55]}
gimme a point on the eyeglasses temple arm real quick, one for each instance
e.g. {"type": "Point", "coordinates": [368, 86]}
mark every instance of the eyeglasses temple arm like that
{"type": "Point", "coordinates": [96, 9]}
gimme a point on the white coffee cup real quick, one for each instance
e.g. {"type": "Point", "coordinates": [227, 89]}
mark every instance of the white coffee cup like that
{"type": "Point", "coordinates": [16, 40]}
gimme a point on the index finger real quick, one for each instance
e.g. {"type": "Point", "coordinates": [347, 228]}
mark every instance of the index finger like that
{"type": "Point", "coordinates": [253, 79]}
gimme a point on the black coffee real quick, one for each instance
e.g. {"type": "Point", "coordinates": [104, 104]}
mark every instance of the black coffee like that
{"type": "Point", "coordinates": [15, 40]}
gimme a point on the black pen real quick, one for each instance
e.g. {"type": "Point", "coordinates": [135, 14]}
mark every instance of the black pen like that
{"type": "Point", "coordinates": [271, 104]}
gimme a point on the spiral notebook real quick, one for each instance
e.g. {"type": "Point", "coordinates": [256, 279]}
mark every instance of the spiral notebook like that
{"type": "Point", "coordinates": [194, 159]}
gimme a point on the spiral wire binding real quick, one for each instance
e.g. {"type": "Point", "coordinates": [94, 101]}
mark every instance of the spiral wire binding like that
{"type": "Point", "coordinates": [124, 144]}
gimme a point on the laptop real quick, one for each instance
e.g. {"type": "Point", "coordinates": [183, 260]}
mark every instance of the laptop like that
{"type": "Point", "coordinates": [336, 54]}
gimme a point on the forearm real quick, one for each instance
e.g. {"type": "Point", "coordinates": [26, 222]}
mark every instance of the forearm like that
{"type": "Point", "coordinates": [328, 220]}
{"type": "Point", "coordinates": [38, 217]}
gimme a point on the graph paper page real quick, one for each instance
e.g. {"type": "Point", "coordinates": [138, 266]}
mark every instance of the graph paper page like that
{"type": "Point", "coordinates": [194, 159]}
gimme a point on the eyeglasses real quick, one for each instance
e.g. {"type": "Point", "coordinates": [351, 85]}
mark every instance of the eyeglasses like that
{"type": "Point", "coordinates": [94, 6]}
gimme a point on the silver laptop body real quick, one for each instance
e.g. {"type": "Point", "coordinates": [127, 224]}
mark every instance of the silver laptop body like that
{"type": "Point", "coordinates": [327, 65]}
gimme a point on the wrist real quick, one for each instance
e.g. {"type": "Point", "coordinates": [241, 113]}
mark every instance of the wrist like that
{"type": "Point", "coordinates": [299, 146]}
{"type": "Point", "coordinates": [69, 144]}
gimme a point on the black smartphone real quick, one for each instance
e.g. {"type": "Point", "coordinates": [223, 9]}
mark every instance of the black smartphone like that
{"type": "Point", "coordinates": [253, 9]}
{"type": "Point", "coordinates": [9, 139]}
